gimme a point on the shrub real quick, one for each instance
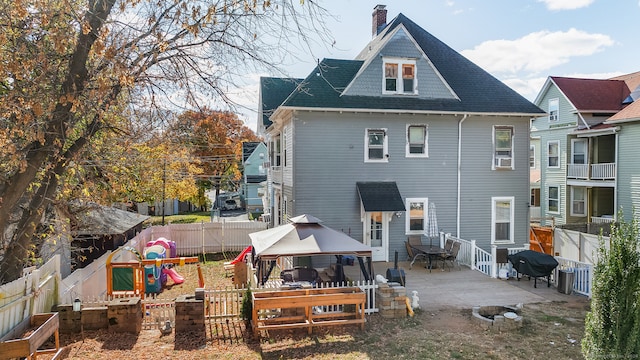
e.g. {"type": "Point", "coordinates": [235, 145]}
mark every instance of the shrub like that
{"type": "Point", "coordinates": [247, 305]}
{"type": "Point", "coordinates": [612, 326]}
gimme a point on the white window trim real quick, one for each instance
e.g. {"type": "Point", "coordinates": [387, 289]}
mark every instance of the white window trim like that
{"type": "Point", "coordinates": [399, 84]}
{"type": "Point", "coordinates": [426, 142]}
{"type": "Point", "coordinates": [557, 116]}
{"type": "Point", "coordinates": [408, 201]}
{"type": "Point", "coordinates": [493, 140]}
{"type": "Point", "coordinates": [385, 146]}
{"type": "Point", "coordinates": [557, 142]}
{"type": "Point", "coordinates": [558, 199]}
{"type": "Point", "coordinates": [586, 150]}
{"type": "Point", "coordinates": [532, 147]}
{"type": "Point", "coordinates": [511, 200]}
{"type": "Point", "coordinates": [573, 188]}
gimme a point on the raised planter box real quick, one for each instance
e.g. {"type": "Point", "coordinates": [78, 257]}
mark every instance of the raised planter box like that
{"type": "Point", "coordinates": [25, 339]}
{"type": "Point", "coordinates": [295, 308]}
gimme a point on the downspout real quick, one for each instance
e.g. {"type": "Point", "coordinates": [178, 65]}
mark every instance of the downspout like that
{"type": "Point", "coordinates": [459, 172]}
{"type": "Point", "coordinates": [615, 183]}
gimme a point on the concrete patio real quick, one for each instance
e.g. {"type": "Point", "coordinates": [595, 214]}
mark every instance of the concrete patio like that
{"type": "Point", "coordinates": [463, 288]}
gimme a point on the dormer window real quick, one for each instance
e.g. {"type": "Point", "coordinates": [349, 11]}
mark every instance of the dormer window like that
{"type": "Point", "coordinates": [399, 76]}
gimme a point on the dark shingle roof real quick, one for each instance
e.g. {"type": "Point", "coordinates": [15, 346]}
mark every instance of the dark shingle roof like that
{"type": "Point", "coordinates": [477, 90]}
{"type": "Point", "coordinates": [274, 92]}
{"type": "Point", "coordinates": [593, 94]}
{"type": "Point", "coordinates": [247, 149]}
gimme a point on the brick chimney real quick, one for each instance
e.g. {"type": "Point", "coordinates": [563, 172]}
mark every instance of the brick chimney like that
{"type": "Point", "coordinates": [379, 19]}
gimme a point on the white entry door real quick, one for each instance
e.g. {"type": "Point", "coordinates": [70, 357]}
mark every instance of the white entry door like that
{"type": "Point", "coordinates": [377, 234]}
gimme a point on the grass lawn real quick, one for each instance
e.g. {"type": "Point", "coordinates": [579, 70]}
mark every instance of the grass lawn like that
{"type": "Point", "coordinates": [189, 218]}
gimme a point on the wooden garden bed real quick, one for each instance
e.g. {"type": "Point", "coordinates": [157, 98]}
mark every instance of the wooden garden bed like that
{"type": "Point", "coordinates": [25, 339]}
{"type": "Point", "coordinates": [286, 309]}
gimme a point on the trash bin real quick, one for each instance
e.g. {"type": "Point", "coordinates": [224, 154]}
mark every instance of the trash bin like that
{"type": "Point", "coordinates": [565, 281]}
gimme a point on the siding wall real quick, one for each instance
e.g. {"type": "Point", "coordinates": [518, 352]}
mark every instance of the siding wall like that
{"type": "Point", "coordinates": [368, 82]}
{"type": "Point", "coordinates": [326, 186]}
{"type": "Point", "coordinates": [629, 169]}
{"type": "Point", "coordinates": [480, 183]}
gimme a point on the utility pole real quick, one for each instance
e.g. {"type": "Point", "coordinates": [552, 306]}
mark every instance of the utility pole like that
{"type": "Point", "coordinates": [164, 185]}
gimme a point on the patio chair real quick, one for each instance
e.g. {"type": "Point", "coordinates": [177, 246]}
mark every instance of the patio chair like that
{"type": "Point", "coordinates": [451, 256]}
{"type": "Point", "coordinates": [412, 240]}
{"type": "Point", "coordinates": [448, 244]}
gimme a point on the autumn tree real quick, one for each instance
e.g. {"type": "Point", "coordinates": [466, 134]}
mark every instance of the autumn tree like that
{"type": "Point", "coordinates": [215, 138]}
{"type": "Point", "coordinates": [137, 163]}
{"type": "Point", "coordinates": [68, 68]}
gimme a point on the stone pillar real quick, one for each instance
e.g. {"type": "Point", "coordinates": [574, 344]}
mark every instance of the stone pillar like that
{"type": "Point", "coordinates": [69, 320]}
{"type": "Point", "coordinates": [190, 316]}
{"type": "Point", "coordinates": [391, 300]}
{"type": "Point", "coordinates": [125, 315]}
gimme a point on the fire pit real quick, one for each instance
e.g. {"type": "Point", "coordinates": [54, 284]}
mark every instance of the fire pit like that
{"type": "Point", "coordinates": [499, 318]}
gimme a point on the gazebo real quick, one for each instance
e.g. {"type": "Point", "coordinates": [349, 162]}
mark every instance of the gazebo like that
{"type": "Point", "coordinates": [306, 236]}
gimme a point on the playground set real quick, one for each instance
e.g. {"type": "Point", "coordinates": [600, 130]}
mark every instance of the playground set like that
{"type": "Point", "coordinates": [148, 273]}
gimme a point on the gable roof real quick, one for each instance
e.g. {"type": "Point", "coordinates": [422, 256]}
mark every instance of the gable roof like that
{"type": "Point", "coordinates": [477, 90]}
{"type": "Point", "coordinates": [273, 92]}
{"type": "Point", "coordinates": [629, 113]}
{"type": "Point", "coordinates": [593, 95]}
{"type": "Point", "coordinates": [247, 149]}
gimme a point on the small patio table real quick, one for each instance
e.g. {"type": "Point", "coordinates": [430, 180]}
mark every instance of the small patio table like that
{"type": "Point", "coordinates": [427, 251]}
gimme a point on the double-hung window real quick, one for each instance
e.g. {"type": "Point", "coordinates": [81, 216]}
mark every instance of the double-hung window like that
{"type": "Point", "coordinates": [503, 147]}
{"type": "Point", "coordinates": [278, 151]}
{"type": "Point", "coordinates": [416, 221]}
{"type": "Point", "coordinates": [416, 141]}
{"type": "Point", "coordinates": [553, 154]}
{"type": "Point", "coordinates": [554, 108]}
{"type": "Point", "coordinates": [399, 76]}
{"type": "Point", "coordinates": [532, 156]}
{"type": "Point", "coordinates": [502, 218]}
{"type": "Point", "coordinates": [578, 201]}
{"type": "Point", "coordinates": [553, 199]}
{"type": "Point", "coordinates": [376, 145]}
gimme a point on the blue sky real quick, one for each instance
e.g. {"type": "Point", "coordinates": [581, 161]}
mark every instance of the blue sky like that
{"type": "Point", "coordinates": [520, 42]}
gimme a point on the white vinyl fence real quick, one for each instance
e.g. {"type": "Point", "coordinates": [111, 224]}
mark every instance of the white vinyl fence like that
{"type": "Point", "coordinates": [35, 292]}
{"type": "Point", "coordinates": [202, 238]}
{"type": "Point", "coordinates": [478, 259]}
{"type": "Point", "coordinates": [577, 246]}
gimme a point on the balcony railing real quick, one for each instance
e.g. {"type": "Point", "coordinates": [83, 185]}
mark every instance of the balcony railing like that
{"type": "Point", "coordinates": [578, 171]}
{"type": "Point", "coordinates": [602, 219]}
{"type": "Point", "coordinates": [276, 174]}
{"type": "Point", "coordinates": [604, 171]}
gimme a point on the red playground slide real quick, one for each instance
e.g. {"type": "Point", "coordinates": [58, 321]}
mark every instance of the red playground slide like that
{"type": "Point", "coordinates": [173, 274]}
{"type": "Point", "coordinates": [241, 256]}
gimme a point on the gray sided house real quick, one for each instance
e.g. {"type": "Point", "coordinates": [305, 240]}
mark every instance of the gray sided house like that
{"type": "Point", "coordinates": [367, 144]}
{"type": "Point", "coordinates": [581, 153]}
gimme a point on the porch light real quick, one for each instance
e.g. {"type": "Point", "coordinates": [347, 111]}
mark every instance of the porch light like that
{"type": "Point", "coordinates": [77, 304]}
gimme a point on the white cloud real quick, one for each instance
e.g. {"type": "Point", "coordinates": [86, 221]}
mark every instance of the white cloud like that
{"type": "Point", "coordinates": [536, 52]}
{"type": "Point", "coordinates": [529, 88]}
{"type": "Point", "coordinates": [566, 4]}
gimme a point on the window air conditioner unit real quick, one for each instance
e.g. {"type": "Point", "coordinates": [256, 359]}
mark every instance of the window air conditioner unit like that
{"type": "Point", "coordinates": [503, 162]}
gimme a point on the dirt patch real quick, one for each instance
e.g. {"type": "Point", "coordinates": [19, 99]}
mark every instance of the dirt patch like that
{"type": "Point", "coordinates": [550, 331]}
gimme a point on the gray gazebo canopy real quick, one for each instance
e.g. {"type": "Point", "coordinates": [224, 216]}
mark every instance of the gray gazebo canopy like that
{"type": "Point", "coordinates": [305, 236]}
